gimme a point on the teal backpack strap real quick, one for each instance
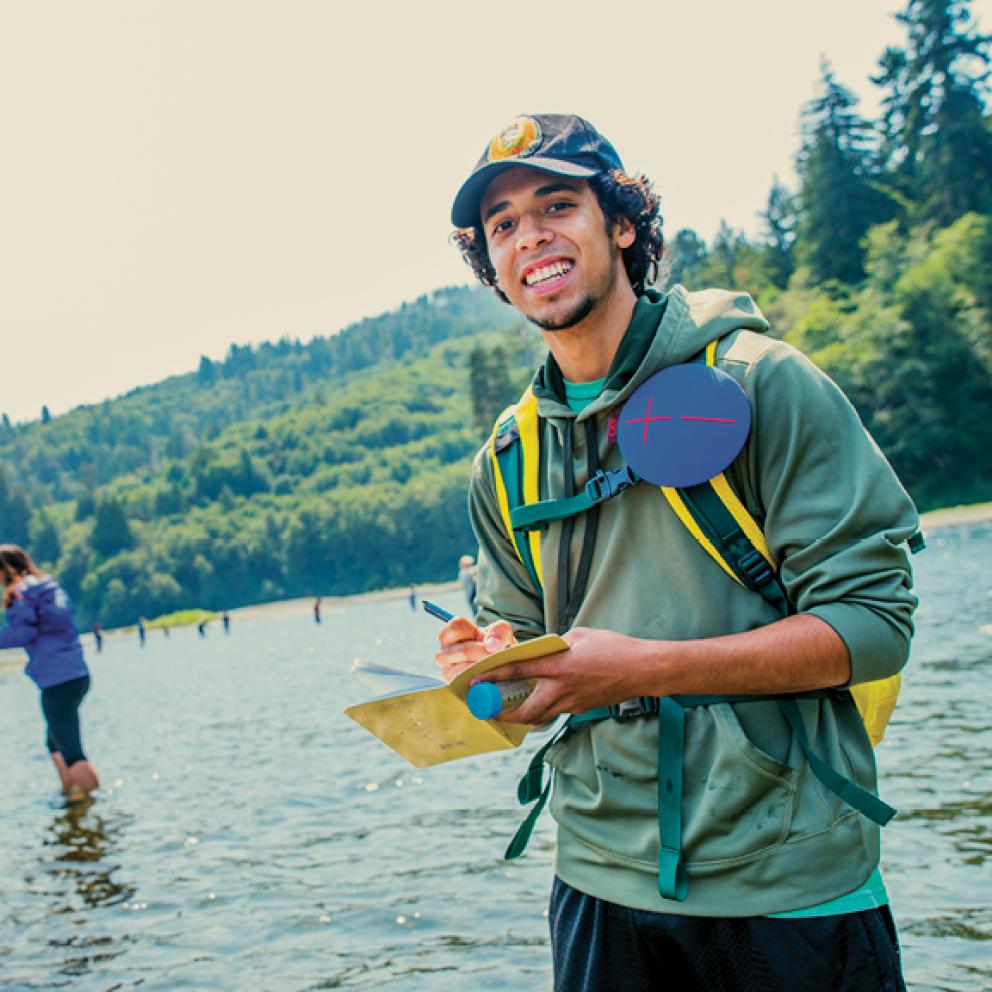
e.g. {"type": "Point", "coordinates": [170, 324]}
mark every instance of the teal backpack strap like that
{"type": "Point", "coordinates": [672, 876]}
{"type": "Point", "coordinates": [532, 787]}
{"type": "Point", "coordinates": [856, 797]}
{"type": "Point", "coordinates": [673, 883]}
{"type": "Point", "coordinates": [602, 486]}
{"type": "Point", "coordinates": [507, 448]}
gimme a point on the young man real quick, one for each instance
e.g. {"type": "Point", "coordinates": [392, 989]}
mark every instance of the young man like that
{"type": "Point", "coordinates": [772, 882]}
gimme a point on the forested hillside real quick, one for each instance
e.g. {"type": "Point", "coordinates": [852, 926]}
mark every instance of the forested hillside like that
{"type": "Point", "coordinates": [340, 465]}
{"type": "Point", "coordinates": [286, 470]}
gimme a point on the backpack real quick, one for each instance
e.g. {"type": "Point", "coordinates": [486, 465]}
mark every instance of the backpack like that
{"type": "Point", "coordinates": [730, 536]}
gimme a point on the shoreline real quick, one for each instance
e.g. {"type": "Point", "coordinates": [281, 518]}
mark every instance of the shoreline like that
{"type": "Point", "coordinates": [280, 609]}
{"type": "Point", "coordinates": [933, 520]}
{"type": "Point", "coordinates": [956, 516]}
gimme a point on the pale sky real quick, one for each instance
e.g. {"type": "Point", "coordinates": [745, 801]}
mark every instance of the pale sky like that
{"type": "Point", "coordinates": [178, 175]}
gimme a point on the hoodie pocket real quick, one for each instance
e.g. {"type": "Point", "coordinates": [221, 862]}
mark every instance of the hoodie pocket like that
{"type": "Point", "coordinates": [739, 801]}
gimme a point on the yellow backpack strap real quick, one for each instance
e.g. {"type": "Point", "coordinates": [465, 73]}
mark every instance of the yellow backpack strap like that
{"type": "Point", "coordinates": [515, 452]}
{"type": "Point", "coordinates": [727, 532]}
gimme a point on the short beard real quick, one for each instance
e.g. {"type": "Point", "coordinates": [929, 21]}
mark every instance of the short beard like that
{"type": "Point", "coordinates": [582, 310]}
{"type": "Point", "coordinates": [589, 302]}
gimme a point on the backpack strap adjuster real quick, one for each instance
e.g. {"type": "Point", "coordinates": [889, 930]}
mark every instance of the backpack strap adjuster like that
{"type": "Point", "coordinates": [755, 569]}
{"type": "Point", "coordinates": [632, 709]}
{"type": "Point", "coordinates": [605, 485]}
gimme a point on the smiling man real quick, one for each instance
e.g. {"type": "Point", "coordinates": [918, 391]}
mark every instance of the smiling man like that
{"type": "Point", "coordinates": [714, 786]}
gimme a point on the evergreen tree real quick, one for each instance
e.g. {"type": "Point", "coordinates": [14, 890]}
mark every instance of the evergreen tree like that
{"type": "Point", "coordinates": [46, 547]}
{"type": "Point", "coordinates": [779, 233]}
{"type": "Point", "coordinates": [111, 531]}
{"type": "Point", "coordinates": [85, 505]}
{"type": "Point", "coordinates": [490, 385]}
{"type": "Point", "coordinates": [46, 417]}
{"type": "Point", "coordinates": [15, 513]}
{"type": "Point", "coordinates": [839, 197]}
{"type": "Point", "coordinates": [206, 374]}
{"type": "Point", "coordinates": [686, 257]}
{"type": "Point", "coordinates": [935, 127]}
{"type": "Point", "coordinates": [726, 246]}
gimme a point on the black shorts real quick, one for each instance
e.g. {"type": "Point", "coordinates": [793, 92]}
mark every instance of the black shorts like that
{"type": "Point", "coordinates": [602, 947]}
{"type": "Point", "coordinates": [60, 704]}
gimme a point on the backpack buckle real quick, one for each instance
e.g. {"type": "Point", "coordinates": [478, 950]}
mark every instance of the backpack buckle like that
{"type": "Point", "coordinates": [756, 570]}
{"type": "Point", "coordinates": [605, 485]}
{"type": "Point", "coordinates": [631, 709]}
{"type": "Point", "coordinates": [507, 434]}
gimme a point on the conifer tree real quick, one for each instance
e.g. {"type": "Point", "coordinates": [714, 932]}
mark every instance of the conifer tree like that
{"type": "Point", "coordinates": [111, 532]}
{"type": "Point", "coordinates": [779, 233]}
{"type": "Point", "coordinates": [839, 196]}
{"type": "Point", "coordinates": [937, 145]}
{"type": "Point", "coordinates": [686, 257]}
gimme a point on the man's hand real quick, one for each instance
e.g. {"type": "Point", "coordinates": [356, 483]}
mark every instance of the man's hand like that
{"type": "Point", "coordinates": [600, 669]}
{"type": "Point", "coordinates": [463, 644]}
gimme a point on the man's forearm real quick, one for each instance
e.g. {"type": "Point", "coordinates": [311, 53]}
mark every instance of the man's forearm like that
{"type": "Point", "coordinates": [792, 655]}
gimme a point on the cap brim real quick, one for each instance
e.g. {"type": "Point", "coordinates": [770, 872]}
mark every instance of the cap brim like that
{"type": "Point", "coordinates": [465, 209]}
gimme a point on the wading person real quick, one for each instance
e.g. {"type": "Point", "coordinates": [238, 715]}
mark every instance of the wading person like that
{"type": "Point", "coordinates": [699, 512]}
{"type": "Point", "coordinates": [39, 619]}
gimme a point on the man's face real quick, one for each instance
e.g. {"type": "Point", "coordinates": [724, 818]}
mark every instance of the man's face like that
{"type": "Point", "coordinates": [555, 260]}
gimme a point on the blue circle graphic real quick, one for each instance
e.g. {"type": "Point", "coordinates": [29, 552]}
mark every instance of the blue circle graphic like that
{"type": "Point", "coordinates": [684, 425]}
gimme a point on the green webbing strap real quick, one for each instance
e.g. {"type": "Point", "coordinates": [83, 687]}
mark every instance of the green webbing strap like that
{"type": "Point", "coordinates": [534, 516]}
{"type": "Point", "coordinates": [532, 788]}
{"type": "Point", "coordinates": [510, 460]}
{"type": "Point", "coordinates": [673, 882]}
{"type": "Point", "coordinates": [856, 797]}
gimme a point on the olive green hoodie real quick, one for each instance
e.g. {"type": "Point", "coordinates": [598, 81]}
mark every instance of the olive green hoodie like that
{"type": "Point", "coordinates": [760, 833]}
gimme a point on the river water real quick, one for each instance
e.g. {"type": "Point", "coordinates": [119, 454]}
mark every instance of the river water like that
{"type": "Point", "coordinates": [248, 836]}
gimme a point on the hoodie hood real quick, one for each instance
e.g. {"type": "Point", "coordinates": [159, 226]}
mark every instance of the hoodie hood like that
{"type": "Point", "coordinates": [664, 331]}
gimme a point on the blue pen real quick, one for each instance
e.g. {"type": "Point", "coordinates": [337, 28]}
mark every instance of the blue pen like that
{"type": "Point", "coordinates": [437, 611]}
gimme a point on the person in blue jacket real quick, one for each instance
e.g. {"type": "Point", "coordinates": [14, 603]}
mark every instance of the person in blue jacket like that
{"type": "Point", "coordinates": [39, 619]}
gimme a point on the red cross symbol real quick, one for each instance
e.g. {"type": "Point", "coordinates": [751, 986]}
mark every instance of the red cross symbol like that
{"type": "Point", "coordinates": [647, 419]}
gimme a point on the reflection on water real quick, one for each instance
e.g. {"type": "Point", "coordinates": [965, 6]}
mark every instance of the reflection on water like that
{"type": "Point", "coordinates": [76, 858]}
{"type": "Point", "coordinates": [76, 875]}
{"type": "Point", "coordinates": [264, 842]}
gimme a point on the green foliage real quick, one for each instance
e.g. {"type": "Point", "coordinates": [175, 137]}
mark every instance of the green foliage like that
{"type": "Point", "coordinates": [355, 481]}
{"type": "Point", "coordinates": [490, 386]}
{"type": "Point", "coordinates": [15, 513]}
{"type": "Point", "coordinates": [111, 532]}
{"type": "Point", "coordinates": [937, 148]}
{"type": "Point", "coordinates": [181, 618]}
{"type": "Point", "coordinates": [840, 194]}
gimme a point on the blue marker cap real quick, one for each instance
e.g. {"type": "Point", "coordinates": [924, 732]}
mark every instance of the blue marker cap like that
{"type": "Point", "coordinates": [485, 701]}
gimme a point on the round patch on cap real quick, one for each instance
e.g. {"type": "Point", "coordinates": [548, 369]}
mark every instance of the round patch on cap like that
{"type": "Point", "coordinates": [684, 425]}
{"type": "Point", "coordinates": [520, 138]}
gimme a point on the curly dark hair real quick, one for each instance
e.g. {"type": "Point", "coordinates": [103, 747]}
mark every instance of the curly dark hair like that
{"type": "Point", "coordinates": [621, 197]}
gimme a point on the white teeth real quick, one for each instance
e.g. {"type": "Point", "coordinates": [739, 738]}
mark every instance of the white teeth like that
{"type": "Point", "coordinates": [546, 272]}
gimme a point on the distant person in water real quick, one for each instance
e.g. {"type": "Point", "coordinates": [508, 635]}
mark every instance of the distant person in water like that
{"type": "Point", "coordinates": [225, 619]}
{"type": "Point", "coordinates": [39, 619]}
{"type": "Point", "coordinates": [467, 578]}
{"type": "Point", "coordinates": [141, 631]}
{"type": "Point", "coordinates": [413, 596]}
{"type": "Point", "coordinates": [316, 610]}
{"type": "Point", "coordinates": [98, 637]}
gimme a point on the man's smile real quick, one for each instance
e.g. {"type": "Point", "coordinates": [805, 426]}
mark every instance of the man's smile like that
{"type": "Point", "coordinates": [547, 275]}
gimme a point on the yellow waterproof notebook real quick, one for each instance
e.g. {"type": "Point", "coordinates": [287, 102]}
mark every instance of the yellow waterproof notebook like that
{"type": "Point", "coordinates": [429, 722]}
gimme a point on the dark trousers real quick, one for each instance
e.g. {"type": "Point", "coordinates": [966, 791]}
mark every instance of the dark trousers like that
{"type": "Point", "coordinates": [602, 947]}
{"type": "Point", "coordinates": [60, 704]}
